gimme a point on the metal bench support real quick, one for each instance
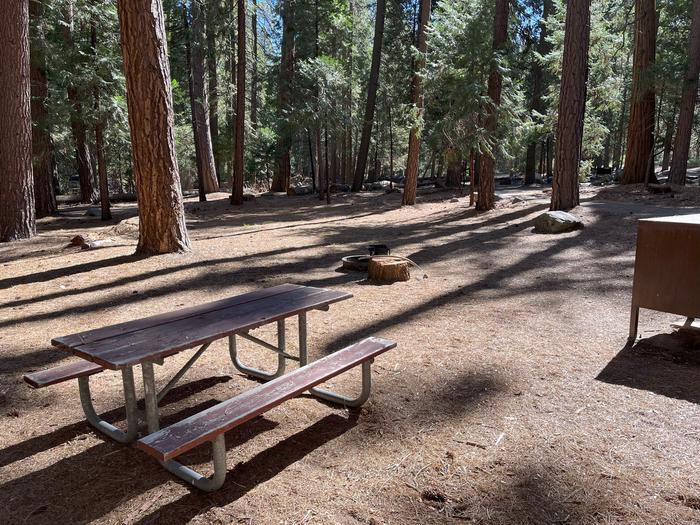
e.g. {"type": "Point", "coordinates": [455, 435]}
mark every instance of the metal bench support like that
{"type": "Point", "coordinates": [207, 484]}
{"type": "Point", "coordinates": [280, 350]}
{"type": "Point", "coordinates": [129, 403]}
{"type": "Point", "coordinates": [327, 395]}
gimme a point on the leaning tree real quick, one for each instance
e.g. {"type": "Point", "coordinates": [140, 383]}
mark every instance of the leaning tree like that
{"type": "Point", "coordinates": [17, 217]}
{"type": "Point", "coordinates": [144, 46]}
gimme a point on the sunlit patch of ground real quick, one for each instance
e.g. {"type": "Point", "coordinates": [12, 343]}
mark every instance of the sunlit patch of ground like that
{"type": "Point", "coordinates": [511, 397]}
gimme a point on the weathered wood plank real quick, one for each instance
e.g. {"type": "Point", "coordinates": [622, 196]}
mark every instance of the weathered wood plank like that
{"type": "Point", "coordinates": [58, 374]}
{"type": "Point", "coordinates": [67, 342]}
{"type": "Point", "coordinates": [180, 437]}
{"type": "Point", "coordinates": [169, 338]}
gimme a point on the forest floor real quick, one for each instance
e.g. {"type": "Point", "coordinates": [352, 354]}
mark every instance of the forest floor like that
{"type": "Point", "coordinates": [511, 398]}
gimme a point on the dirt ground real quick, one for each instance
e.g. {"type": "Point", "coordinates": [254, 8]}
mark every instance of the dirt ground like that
{"type": "Point", "coordinates": [511, 397]}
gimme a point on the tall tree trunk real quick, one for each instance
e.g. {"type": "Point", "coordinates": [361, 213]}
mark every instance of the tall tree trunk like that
{"type": "Point", "coordinates": [284, 145]}
{"type": "Point", "coordinates": [231, 106]}
{"type": "Point", "coordinates": [679, 164]}
{"type": "Point", "coordinates": [639, 163]}
{"type": "Point", "coordinates": [200, 101]}
{"type": "Point", "coordinates": [411, 183]}
{"type": "Point", "coordinates": [668, 139]}
{"type": "Point", "coordinates": [361, 161]}
{"type": "Point", "coordinates": [538, 87]}
{"type": "Point", "coordinates": [487, 166]}
{"type": "Point", "coordinates": [391, 148]}
{"type": "Point", "coordinates": [188, 58]}
{"type": "Point", "coordinates": [213, 77]}
{"type": "Point", "coordinates": [42, 150]}
{"type": "Point", "coordinates": [77, 120]}
{"type": "Point", "coordinates": [99, 134]}
{"type": "Point", "coordinates": [254, 72]}
{"type": "Point", "coordinates": [239, 147]}
{"type": "Point", "coordinates": [17, 216]}
{"type": "Point", "coordinates": [149, 97]}
{"type": "Point", "coordinates": [454, 168]}
{"type": "Point", "coordinates": [617, 152]}
{"type": "Point", "coordinates": [572, 105]}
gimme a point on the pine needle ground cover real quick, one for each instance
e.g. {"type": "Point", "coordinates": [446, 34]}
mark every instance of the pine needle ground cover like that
{"type": "Point", "coordinates": [511, 397]}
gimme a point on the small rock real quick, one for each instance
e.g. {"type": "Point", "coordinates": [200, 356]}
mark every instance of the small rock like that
{"type": "Point", "coordinates": [92, 211]}
{"type": "Point", "coordinates": [78, 240]}
{"type": "Point", "coordinates": [557, 222]}
{"type": "Point", "coordinates": [517, 199]}
{"type": "Point", "coordinates": [454, 199]}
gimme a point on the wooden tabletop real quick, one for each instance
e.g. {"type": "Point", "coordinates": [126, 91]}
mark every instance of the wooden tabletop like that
{"type": "Point", "coordinates": [151, 338]}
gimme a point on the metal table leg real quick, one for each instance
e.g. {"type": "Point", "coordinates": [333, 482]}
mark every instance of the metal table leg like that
{"type": "Point", "coordinates": [193, 477]}
{"type": "Point", "coordinates": [254, 372]}
{"type": "Point", "coordinates": [327, 395]}
{"type": "Point", "coordinates": [634, 323]}
{"type": "Point", "coordinates": [129, 403]}
{"type": "Point", "coordinates": [150, 397]}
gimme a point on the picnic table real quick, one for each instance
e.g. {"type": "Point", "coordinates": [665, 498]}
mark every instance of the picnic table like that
{"type": "Point", "coordinates": [149, 341]}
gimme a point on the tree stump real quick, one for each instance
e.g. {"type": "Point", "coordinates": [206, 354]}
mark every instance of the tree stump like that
{"type": "Point", "coordinates": [388, 269]}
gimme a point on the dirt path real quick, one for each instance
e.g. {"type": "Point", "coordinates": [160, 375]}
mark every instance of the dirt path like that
{"type": "Point", "coordinates": [511, 397]}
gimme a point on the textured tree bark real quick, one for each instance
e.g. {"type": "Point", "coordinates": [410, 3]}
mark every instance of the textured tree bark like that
{"type": "Point", "coordinates": [487, 162]}
{"type": "Point", "coordinates": [254, 71]}
{"type": "Point", "coordinates": [538, 86]}
{"type": "Point", "coordinates": [200, 101]}
{"type": "Point", "coordinates": [572, 105]}
{"type": "Point", "coordinates": [17, 215]}
{"type": "Point", "coordinates": [42, 150]}
{"type": "Point", "coordinates": [197, 150]}
{"type": "Point", "coordinates": [106, 214]}
{"type": "Point", "coordinates": [411, 183]}
{"type": "Point", "coordinates": [368, 120]}
{"type": "Point", "coordinates": [639, 158]}
{"type": "Point", "coordinates": [454, 168]}
{"type": "Point", "coordinates": [239, 147]}
{"type": "Point", "coordinates": [668, 139]}
{"type": "Point", "coordinates": [283, 173]}
{"type": "Point", "coordinates": [231, 100]}
{"type": "Point", "coordinates": [77, 121]}
{"type": "Point", "coordinates": [213, 77]}
{"type": "Point", "coordinates": [144, 47]}
{"type": "Point", "coordinates": [679, 164]}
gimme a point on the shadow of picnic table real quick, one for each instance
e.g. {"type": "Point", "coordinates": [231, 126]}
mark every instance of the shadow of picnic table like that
{"type": "Point", "coordinates": [666, 364]}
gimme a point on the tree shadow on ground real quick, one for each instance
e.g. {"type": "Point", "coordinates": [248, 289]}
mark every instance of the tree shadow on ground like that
{"type": "Point", "coordinates": [666, 364]}
{"type": "Point", "coordinates": [86, 486]}
{"type": "Point", "coordinates": [264, 466]}
{"type": "Point", "coordinates": [62, 435]}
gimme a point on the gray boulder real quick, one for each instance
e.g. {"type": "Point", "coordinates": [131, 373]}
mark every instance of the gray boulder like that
{"type": "Point", "coordinates": [557, 222]}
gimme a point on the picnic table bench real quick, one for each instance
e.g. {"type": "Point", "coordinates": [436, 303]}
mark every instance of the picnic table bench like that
{"type": "Point", "coordinates": [148, 341]}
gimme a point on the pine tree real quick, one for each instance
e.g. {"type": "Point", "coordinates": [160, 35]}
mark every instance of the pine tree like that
{"type": "Point", "coordinates": [239, 148]}
{"type": "Point", "coordinates": [17, 216]}
{"type": "Point", "coordinates": [487, 164]}
{"type": "Point", "coordinates": [372, 85]}
{"type": "Point", "coordinates": [414, 137]}
{"type": "Point", "coordinates": [687, 107]}
{"type": "Point", "coordinates": [639, 159]}
{"type": "Point", "coordinates": [572, 105]}
{"type": "Point", "coordinates": [161, 213]}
